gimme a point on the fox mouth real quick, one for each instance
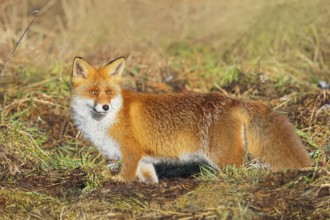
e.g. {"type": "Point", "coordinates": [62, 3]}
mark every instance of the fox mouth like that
{"type": "Point", "coordinates": [95, 111]}
{"type": "Point", "coordinates": [101, 113]}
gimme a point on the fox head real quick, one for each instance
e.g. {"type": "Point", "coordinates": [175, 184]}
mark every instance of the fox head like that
{"type": "Point", "coordinates": [97, 90]}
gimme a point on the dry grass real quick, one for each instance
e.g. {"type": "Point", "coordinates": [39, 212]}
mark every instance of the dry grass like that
{"type": "Point", "coordinates": [272, 51]}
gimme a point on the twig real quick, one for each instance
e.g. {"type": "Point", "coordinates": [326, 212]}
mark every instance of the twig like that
{"type": "Point", "coordinates": [35, 13]}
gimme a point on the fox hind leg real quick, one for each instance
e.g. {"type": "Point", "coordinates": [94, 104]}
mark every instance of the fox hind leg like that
{"type": "Point", "coordinates": [227, 143]}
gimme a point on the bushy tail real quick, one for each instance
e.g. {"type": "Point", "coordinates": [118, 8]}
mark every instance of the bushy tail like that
{"type": "Point", "coordinates": [272, 138]}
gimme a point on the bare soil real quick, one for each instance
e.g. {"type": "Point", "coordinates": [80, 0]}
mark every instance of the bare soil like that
{"type": "Point", "coordinates": [290, 195]}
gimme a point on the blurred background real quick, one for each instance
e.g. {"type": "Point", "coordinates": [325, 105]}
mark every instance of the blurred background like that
{"type": "Point", "coordinates": [274, 38]}
{"type": "Point", "coordinates": [275, 51]}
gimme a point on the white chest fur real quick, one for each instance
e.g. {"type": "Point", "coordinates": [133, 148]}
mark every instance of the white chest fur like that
{"type": "Point", "coordinates": [95, 127]}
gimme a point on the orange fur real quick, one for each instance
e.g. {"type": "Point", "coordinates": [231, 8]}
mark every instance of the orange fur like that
{"type": "Point", "coordinates": [172, 126]}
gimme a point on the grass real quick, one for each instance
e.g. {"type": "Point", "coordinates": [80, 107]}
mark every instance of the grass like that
{"type": "Point", "coordinates": [224, 192]}
{"type": "Point", "coordinates": [26, 202]}
{"type": "Point", "coordinates": [268, 51]}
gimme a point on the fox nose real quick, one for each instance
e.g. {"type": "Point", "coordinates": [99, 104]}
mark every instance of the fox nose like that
{"type": "Point", "coordinates": [105, 107]}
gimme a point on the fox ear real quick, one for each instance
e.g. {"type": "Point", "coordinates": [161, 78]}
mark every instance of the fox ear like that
{"type": "Point", "coordinates": [80, 68]}
{"type": "Point", "coordinates": [115, 67]}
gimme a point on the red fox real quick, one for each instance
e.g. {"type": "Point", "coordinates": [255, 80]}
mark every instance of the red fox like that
{"type": "Point", "coordinates": [145, 129]}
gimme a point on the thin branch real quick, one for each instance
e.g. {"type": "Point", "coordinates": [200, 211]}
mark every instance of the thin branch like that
{"type": "Point", "coordinates": [35, 13]}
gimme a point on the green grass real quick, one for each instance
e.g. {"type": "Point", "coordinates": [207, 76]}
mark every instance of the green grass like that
{"type": "Point", "coordinates": [18, 202]}
{"type": "Point", "coordinates": [22, 149]}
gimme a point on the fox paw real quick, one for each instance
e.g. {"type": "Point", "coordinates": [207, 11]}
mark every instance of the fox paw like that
{"type": "Point", "coordinates": [147, 173]}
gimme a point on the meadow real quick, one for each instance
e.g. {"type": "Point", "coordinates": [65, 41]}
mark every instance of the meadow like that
{"type": "Point", "coordinates": [276, 51]}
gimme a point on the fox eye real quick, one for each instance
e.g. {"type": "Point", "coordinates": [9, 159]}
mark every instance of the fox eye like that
{"type": "Point", "coordinates": [108, 92]}
{"type": "Point", "coordinates": [93, 92]}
